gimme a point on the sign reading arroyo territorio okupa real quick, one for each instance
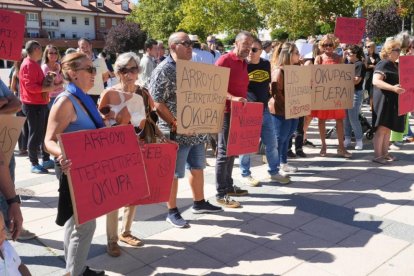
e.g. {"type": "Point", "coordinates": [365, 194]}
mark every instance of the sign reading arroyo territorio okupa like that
{"type": "Point", "coordinates": [11, 35]}
{"type": "Point", "coordinates": [201, 97]}
{"type": "Point", "coordinates": [406, 99]}
{"type": "Point", "coordinates": [107, 170]}
{"type": "Point", "coordinates": [332, 86]}
{"type": "Point", "coordinates": [298, 91]}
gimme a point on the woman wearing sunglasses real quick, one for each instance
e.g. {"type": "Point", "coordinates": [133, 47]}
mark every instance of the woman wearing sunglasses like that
{"type": "Point", "coordinates": [51, 66]}
{"type": "Point", "coordinates": [73, 110]}
{"type": "Point", "coordinates": [121, 105]}
{"type": "Point", "coordinates": [329, 43]}
{"type": "Point", "coordinates": [386, 90]}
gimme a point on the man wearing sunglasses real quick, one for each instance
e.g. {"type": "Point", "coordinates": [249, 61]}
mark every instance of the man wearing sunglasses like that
{"type": "Point", "coordinates": [191, 153]}
{"type": "Point", "coordinates": [102, 72]}
{"type": "Point", "coordinates": [212, 45]}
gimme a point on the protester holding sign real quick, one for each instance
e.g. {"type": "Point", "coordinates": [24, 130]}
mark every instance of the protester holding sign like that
{"type": "Point", "coordinates": [288, 54]}
{"type": "Point", "coordinates": [73, 110]}
{"type": "Point", "coordinates": [259, 80]}
{"type": "Point", "coordinates": [237, 91]}
{"type": "Point", "coordinates": [191, 153]}
{"type": "Point", "coordinates": [355, 55]}
{"type": "Point", "coordinates": [329, 43]}
{"type": "Point", "coordinates": [124, 107]}
{"type": "Point", "coordinates": [386, 91]}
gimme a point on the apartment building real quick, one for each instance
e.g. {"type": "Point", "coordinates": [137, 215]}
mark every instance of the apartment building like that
{"type": "Point", "coordinates": [63, 22]}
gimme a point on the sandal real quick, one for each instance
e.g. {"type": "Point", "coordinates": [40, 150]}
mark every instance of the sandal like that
{"type": "Point", "coordinates": [380, 160]}
{"type": "Point", "coordinates": [322, 153]}
{"type": "Point", "coordinates": [131, 240]}
{"type": "Point", "coordinates": [389, 157]}
{"type": "Point", "coordinates": [344, 153]}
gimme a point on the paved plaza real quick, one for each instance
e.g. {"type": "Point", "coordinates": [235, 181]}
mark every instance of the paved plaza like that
{"type": "Point", "coordinates": [337, 217]}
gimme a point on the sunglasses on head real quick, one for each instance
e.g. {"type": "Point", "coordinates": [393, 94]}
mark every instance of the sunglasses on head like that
{"type": "Point", "coordinates": [185, 43]}
{"type": "Point", "coordinates": [89, 69]}
{"type": "Point", "coordinates": [255, 50]}
{"type": "Point", "coordinates": [396, 50]}
{"type": "Point", "coordinates": [327, 45]}
{"type": "Point", "coordinates": [133, 70]}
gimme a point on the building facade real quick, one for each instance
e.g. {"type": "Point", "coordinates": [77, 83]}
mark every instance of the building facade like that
{"type": "Point", "coordinates": [63, 22]}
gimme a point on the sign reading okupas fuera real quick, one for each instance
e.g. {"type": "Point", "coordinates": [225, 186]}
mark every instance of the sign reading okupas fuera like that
{"type": "Point", "coordinates": [201, 97]}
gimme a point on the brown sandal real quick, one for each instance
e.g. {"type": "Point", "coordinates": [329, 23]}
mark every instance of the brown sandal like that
{"type": "Point", "coordinates": [389, 157]}
{"type": "Point", "coordinates": [344, 153]}
{"type": "Point", "coordinates": [380, 160]}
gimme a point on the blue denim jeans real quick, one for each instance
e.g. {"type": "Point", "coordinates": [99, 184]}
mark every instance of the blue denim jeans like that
{"type": "Point", "coordinates": [192, 157]}
{"type": "Point", "coordinates": [284, 128]}
{"type": "Point", "coordinates": [268, 137]}
{"type": "Point", "coordinates": [352, 117]}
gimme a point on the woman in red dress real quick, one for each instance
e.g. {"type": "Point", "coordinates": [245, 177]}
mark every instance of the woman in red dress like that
{"type": "Point", "coordinates": [329, 43]}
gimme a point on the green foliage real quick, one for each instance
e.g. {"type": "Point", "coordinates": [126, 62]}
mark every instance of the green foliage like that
{"type": "Point", "coordinates": [279, 34]}
{"type": "Point", "coordinates": [229, 40]}
{"type": "Point", "coordinates": [158, 18]}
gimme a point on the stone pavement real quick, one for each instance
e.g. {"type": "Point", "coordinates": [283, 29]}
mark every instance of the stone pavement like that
{"type": "Point", "coordinates": [338, 217]}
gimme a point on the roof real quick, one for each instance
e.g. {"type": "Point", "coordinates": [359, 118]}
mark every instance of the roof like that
{"type": "Point", "coordinates": [110, 6]}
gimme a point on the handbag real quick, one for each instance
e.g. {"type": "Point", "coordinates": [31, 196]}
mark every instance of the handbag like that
{"type": "Point", "coordinates": [149, 133]}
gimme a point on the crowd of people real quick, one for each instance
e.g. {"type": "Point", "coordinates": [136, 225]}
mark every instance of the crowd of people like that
{"type": "Point", "coordinates": [60, 95]}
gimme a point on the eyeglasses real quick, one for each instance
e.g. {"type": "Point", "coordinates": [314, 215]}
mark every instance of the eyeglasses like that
{"type": "Point", "coordinates": [132, 70]}
{"type": "Point", "coordinates": [255, 50]}
{"type": "Point", "coordinates": [52, 53]}
{"type": "Point", "coordinates": [185, 43]}
{"type": "Point", "coordinates": [396, 50]}
{"type": "Point", "coordinates": [327, 45]}
{"type": "Point", "coordinates": [211, 41]}
{"type": "Point", "coordinates": [89, 69]}
{"type": "Point", "coordinates": [367, 47]}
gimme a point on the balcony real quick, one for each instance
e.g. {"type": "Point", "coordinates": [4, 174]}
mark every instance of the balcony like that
{"type": "Point", "coordinates": [50, 24]}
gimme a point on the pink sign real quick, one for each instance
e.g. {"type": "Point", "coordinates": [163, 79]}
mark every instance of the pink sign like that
{"type": "Point", "coordinates": [108, 170]}
{"type": "Point", "coordinates": [350, 30]}
{"type": "Point", "coordinates": [11, 35]}
{"type": "Point", "coordinates": [159, 162]}
{"type": "Point", "coordinates": [245, 128]}
{"type": "Point", "coordinates": [406, 99]}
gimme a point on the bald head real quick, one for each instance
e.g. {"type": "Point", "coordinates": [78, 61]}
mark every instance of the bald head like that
{"type": "Point", "coordinates": [177, 37]}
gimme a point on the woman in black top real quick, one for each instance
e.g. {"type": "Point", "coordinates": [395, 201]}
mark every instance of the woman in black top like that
{"type": "Point", "coordinates": [371, 60]}
{"type": "Point", "coordinates": [355, 55]}
{"type": "Point", "coordinates": [385, 96]}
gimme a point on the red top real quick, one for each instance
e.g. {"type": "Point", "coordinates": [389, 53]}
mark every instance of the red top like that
{"type": "Point", "coordinates": [239, 77]}
{"type": "Point", "coordinates": [31, 80]}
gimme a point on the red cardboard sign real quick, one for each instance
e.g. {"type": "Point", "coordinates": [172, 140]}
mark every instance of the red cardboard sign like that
{"type": "Point", "coordinates": [159, 162]}
{"type": "Point", "coordinates": [11, 35]}
{"type": "Point", "coordinates": [107, 170]}
{"type": "Point", "coordinates": [406, 99]}
{"type": "Point", "coordinates": [350, 30]}
{"type": "Point", "coordinates": [245, 128]}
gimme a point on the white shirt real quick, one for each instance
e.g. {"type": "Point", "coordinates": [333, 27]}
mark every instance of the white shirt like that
{"type": "Point", "coordinates": [202, 56]}
{"type": "Point", "coordinates": [11, 262]}
{"type": "Point", "coordinates": [101, 68]}
{"type": "Point", "coordinates": [147, 65]}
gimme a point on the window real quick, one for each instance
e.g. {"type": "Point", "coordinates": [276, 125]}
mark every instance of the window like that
{"type": "Point", "coordinates": [87, 21]}
{"type": "Point", "coordinates": [74, 20]}
{"type": "Point", "coordinates": [74, 35]}
{"type": "Point", "coordinates": [113, 22]}
{"type": "Point", "coordinates": [31, 16]}
{"type": "Point", "coordinates": [125, 5]}
{"type": "Point", "coordinates": [51, 34]}
{"type": "Point", "coordinates": [62, 20]}
{"type": "Point", "coordinates": [62, 35]}
{"type": "Point", "coordinates": [99, 3]}
{"type": "Point", "coordinates": [85, 2]}
{"type": "Point", "coordinates": [102, 22]}
{"type": "Point", "coordinates": [47, 1]}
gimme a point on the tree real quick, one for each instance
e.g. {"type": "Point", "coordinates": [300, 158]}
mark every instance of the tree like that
{"type": "Point", "coordinates": [301, 18]}
{"type": "Point", "coordinates": [158, 18]}
{"type": "Point", "coordinates": [383, 23]}
{"type": "Point", "coordinates": [205, 17]}
{"type": "Point", "coordinates": [125, 37]}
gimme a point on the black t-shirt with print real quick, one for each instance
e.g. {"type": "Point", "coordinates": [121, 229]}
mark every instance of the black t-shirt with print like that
{"type": "Point", "coordinates": [259, 80]}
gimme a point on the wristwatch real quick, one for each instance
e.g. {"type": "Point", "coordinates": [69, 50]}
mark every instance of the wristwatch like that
{"type": "Point", "coordinates": [15, 199]}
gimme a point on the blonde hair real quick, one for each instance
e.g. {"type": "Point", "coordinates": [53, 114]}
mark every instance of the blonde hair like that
{"type": "Point", "coordinates": [284, 54]}
{"type": "Point", "coordinates": [388, 46]}
{"type": "Point", "coordinates": [71, 62]}
{"type": "Point", "coordinates": [329, 37]}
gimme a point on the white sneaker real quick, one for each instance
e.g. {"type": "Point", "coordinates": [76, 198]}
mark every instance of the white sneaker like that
{"type": "Point", "coordinates": [249, 180]}
{"type": "Point", "coordinates": [359, 145]}
{"type": "Point", "coordinates": [347, 142]}
{"type": "Point", "coordinates": [288, 168]}
{"type": "Point", "coordinates": [395, 146]}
